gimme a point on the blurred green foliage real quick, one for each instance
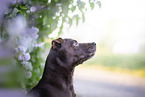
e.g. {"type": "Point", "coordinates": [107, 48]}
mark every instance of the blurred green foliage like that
{"type": "Point", "coordinates": [128, 62]}
{"type": "Point", "coordinates": [132, 62]}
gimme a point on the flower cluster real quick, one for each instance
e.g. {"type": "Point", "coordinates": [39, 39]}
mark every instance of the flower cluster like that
{"type": "Point", "coordinates": [24, 39]}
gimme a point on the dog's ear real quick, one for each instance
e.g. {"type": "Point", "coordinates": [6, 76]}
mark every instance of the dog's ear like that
{"type": "Point", "coordinates": [56, 44]}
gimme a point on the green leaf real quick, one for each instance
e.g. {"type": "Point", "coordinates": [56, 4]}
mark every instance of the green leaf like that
{"type": "Point", "coordinates": [70, 22]}
{"type": "Point", "coordinates": [77, 18]}
{"type": "Point", "coordinates": [83, 17]}
{"type": "Point", "coordinates": [23, 7]}
{"type": "Point", "coordinates": [45, 20]}
{"type": "Point", "coordinates": [60, 29]}
{"type": "Point", "coordinates": [56, 0]}
{"type": "Point", "coordinates": [92, 5]}
{"type": "Point", "coordinates": [81, 5]}
{"type": "Point", "coordinates": [73, 8]}
{"type": "Point", "coordinates": [15, 11]}
{"type": "Point", "coordinates": [65, 9]}
{"type": "Point", "coordinates": [99, 4]}
{"type": "Point", "coordinates": [77, 21]}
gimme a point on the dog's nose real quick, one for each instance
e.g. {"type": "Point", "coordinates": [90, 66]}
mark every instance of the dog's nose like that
{"type": "Point", "coordinates": [92, 47]}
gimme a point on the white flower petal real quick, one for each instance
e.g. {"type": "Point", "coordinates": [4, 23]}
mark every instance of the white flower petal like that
{"type": "Point", "coordinates": [26, 57]}
{"type": "Point", "coordinates": [28, 74]}
{"type": "Point", "coordinates": [22, 49]}
{"type": "Point", "coordinates": [39, 45]}
{"type": "Point", "coordinates": [20, 57]}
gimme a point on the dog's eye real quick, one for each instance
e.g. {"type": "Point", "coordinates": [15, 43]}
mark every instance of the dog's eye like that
{"type": "Point", "coordinates": [75, 44]}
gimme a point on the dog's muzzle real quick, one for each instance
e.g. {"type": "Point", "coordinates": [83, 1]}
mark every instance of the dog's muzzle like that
{"type": "Point", "coordinates": [91, 49]}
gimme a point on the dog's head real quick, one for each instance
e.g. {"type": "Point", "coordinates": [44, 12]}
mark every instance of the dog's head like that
{"type": "Point", "coordinates": [71, 53]}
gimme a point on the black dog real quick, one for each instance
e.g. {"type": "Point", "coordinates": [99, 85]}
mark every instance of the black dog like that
{"type": "Point", "coordinates": [64, 55]}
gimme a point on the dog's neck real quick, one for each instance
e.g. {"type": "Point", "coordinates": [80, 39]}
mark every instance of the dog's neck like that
{"type": "Point", "coordinates": [55, 73]}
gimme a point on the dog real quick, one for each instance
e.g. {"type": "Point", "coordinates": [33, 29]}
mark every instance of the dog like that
{"type": "Point", "coordinates": [64, 56]}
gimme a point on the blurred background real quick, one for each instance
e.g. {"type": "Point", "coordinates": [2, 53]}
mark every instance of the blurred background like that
{"type": "Point", "coordinates": [118, 68]}
{"type": "Point", "coordinates": [117, 26]}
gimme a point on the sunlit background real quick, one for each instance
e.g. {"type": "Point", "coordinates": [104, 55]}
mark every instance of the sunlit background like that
{"type": "Point", "coordinates": [120, 23]}
{"type": "Point", "coordinates": [118, 28]}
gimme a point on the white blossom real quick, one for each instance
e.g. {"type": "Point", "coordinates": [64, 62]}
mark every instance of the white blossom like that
{"type": "Point", "coordinates": [35, 36]}
{"type": "Point", "coordinates": [27, 65]}
{"type": "Point", "coordinates": [22, 49]}
{"type": "Point", "coordinates": [32, 30]}
{"type": "Point", "coordinates": [28, 74]}
{"type": "Point", "coordinates": [20, 57]}
{"type": "Point", "coordinates": [26, 57]}
{"type": "Point", "coordinates": [16, 50]}
{"type": "Point", "coordinates": [49, 1]}
{"type": "Point", "coordinates": [25, 42]}
{"type": "Point", "coordinates": [33, 9]}
{"type": "Point", "coordinates": [16, 26]}
{"type": "Point", "coordinates": [24, 63]}
{"type": "Point", "coordinates": [24, 37]}
{"type": "Point", "coordinates": [38, 45]}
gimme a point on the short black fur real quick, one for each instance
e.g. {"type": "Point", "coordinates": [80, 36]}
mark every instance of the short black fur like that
{"type": "Point", "coordinates": [64, 56]}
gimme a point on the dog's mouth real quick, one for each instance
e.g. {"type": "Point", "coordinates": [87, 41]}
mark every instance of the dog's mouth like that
{"type": "Point", "coordinates": [84, 58]}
